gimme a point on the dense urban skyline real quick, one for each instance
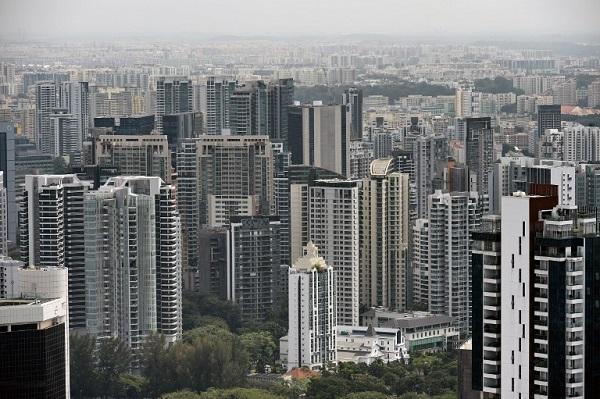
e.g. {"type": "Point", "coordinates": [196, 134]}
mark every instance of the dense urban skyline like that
{"type": "Point", "coordinates": [285, 200]}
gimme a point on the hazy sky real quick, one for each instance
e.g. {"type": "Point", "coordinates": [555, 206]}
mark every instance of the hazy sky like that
{"type": "Point", "coordinates": [27, 18]}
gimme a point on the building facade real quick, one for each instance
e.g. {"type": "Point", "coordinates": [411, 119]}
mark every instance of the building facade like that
{"type": "Point", "coordinates": [312, 322]}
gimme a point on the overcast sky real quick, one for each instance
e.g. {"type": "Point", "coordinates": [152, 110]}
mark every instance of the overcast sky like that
{"type": "Point", "coordinates": [27, 18]}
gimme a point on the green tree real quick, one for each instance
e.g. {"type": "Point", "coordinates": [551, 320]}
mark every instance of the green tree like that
{"type": "Point", "coordinates": [84, 375]}
{"type": "Point", "coordinates": [239, 393]}
{"type": "Point", "coordinates": [114, 359]}
{"type": "Point", "coordinates": [59, 165]}
{"type": "Point", "coordinates": [155, 366]}
{"type": "Point", "coordinates": [195, 306]}
{"type": "Point", "coordinates": [328, 387]}
{"type": "Point", "coordinates": [185, 394]}
{"type": "Point", "coordinates": [260, 347]}
{"type": "Point", "coordinates": [367, 395]}
{"type": "Point", "coordinates": [131, 386]}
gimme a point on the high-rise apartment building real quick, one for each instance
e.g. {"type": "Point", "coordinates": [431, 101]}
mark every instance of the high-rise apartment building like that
{"type": "Point", "coordinates": [581, 143]}
{"type": "Point", "coordinates": [353, 100]}
{"type": "Point", "coordinates": [46, 102]}
{"type": "Point", "coordinates": [430, 156]}
{"type": "Point", "coordinates": [254, 265]}
{"type": "Point", "coordinates": [218, 93]}
{"type": "Point", "coordinates": [361, 156]}
{"type": "Point", "coordinates": [535, 306]}
{"type": "Point", "coordinates": [51, 231]}
{"type": "Point", "coordinates": [210, 275]}
{"type": "Point", "coordinates": [173, 96]}
{"type": "Point", "coordinates": [9, 280]}
{"type": "Point", "coordinates": [510, 174]}
{"type": "Point", "coordinates": [64, 137]}
{"type": "Point", "coordinates": [486, 342]}
{"type": "Point", "coordinates": [249, 109]}
{"type": "Point", "coordinates": [133, 223]}
{"type": "Point", "coordinates": [384, 229]}
{"type": "Point", "coordinates": [281, 196]}
{"type": "Point", "coordinates": [334, 220]}
{"type": "Point", "coordinates": [3, 219]}
{"type": "Point", "coordinates": [75, 98]}
{"type": "Point", "coordinates": [442, 259]}
{"type": "Point", "coordinates": [479, 151]}
{"type": "Point", "coordinates": [565, 93]}
{"type": "Point", "coordinates": [312, 321]}
{"type": "Point", "coordinates": [587, 183]}
{"type": "Point", "coordinates": [220, 177]}
{"type": "Point", "coordinates": [594, 94]}
{"type": "Point", "coordinates": [301, 178]}
{"type": "Point", "coordinates": [319, 135]}
{"type": "Point", "coordinates": [146, 155]}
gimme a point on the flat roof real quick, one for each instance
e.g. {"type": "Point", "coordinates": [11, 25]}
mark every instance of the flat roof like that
{"type": "Point", "coordinates": [408, 319]}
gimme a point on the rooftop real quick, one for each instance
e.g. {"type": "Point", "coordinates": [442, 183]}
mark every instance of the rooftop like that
{"type": "Point", "coordinates": [408, 319]}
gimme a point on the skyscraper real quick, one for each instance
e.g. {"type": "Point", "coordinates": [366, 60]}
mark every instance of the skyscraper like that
{"type": "Point", "coordinates": [301, 178]}
{"type": "Point", "coordinates": [538, 335]}
{"type": "Point", "coordinates": [352, 99]}
{"type": "Point", "coordinates": [581, 143]}
{"type": "Point", "coordinates": [520, 214]}
{"type": "Point", "coordinates": [442, 258]}
{"type": "Point", "coordinates": [479, 154]}
{"type": "Point", "coordinates": [8, 168]}
{"type": "Point", "coordinates": [132, 234]}
{"type": "Point", "coordinates": [218, 93]}
{"type": "Point", "coordinates": [281, 196]}
{"type": "Point", "coordinates": [173, 95]}
{"type": "Point", "coordinates": [146, 155]}
{"type": "Point", "coordinates": [384, 224]}
{"type": "Point", "coordinates": [486, 263]}
{"type": "Point", "coordinates": [254, 261]}
{"type": "Point", "coordinates": [46, 102]}
{"type": "Point", "coordinates": [594, 94]}
{"type": "Point", "coordinates": [210, 274]}
{"type": "Point", "coordinates": [51, 232]}
{"type": "Point", "coordinates": [64, 138]}
{"type": "Point", "coordinates": [312, 321]}
{"type": "Point", "coordinates": [220, 177]}
{"type": "Point", "coordinates": [75, 98]}
{"type": "Point", "coordinates": [249, 109]}
{"type": "Point", "coordinates": [319, 135]}
{"type": "Point", "coordinates": [549, 117]}
{"type": "Point", "coordinates": [3, 219]}
{"type": "Point", "coordinates": [334, 220]}
{"type": "Point", "coordinates": [430, 156]}
{"type": "Point", "coordinates": [281, 97]}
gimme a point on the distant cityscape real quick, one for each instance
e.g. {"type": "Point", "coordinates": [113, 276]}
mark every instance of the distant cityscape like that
{"type": "Point", "coordinates": [286, 219]}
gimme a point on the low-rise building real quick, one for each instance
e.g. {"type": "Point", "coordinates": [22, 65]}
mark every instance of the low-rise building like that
{"type": "Point", "coordinates": [421, 331]}
{"type": "Point", "coordinates": [362, 344]}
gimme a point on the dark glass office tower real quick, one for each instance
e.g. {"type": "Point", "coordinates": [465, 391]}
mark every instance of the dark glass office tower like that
{"type": "Point", "coordinates": [7, 165]}
{"type": "Point", "coordinates": [353, 98]}
{"type": "Point", "coordinates": [281, 96]}
{"type": "Point", "coordinates": [548, 118]}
